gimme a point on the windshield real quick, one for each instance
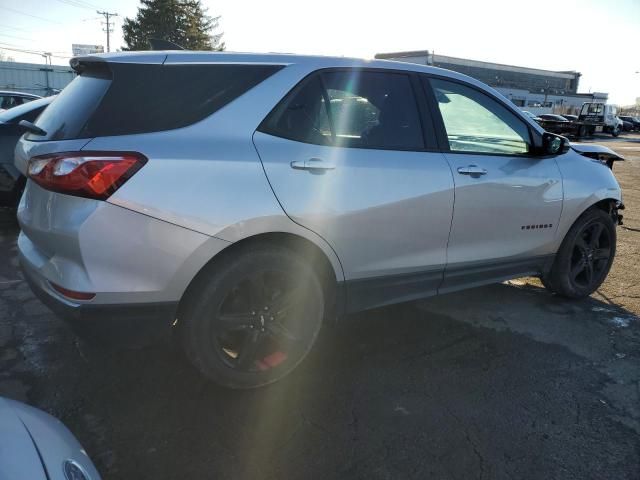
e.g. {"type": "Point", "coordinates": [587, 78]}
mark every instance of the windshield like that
{"type": "Point", "coordinates": [592, 109]}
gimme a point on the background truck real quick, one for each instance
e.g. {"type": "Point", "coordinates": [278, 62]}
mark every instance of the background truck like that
{"type": "Point", "coordinates": [598, 117]}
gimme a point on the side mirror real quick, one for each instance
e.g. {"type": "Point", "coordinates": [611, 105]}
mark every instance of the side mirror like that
{"type": "Point", "coordinates": [553, 144]}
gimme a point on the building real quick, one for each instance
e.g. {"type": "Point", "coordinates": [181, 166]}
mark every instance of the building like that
{"type": "Point", "coordinates": [533, 89]}
{"type": "Point", "coordinates": [34, 78]}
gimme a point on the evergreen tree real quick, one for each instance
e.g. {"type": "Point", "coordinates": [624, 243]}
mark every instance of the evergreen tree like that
{"type": "Point", "coordinates": [184, 22]}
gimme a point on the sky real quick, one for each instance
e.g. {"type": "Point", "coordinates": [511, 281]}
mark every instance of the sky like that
{"type": "Point", "coordinates": [598, 38]}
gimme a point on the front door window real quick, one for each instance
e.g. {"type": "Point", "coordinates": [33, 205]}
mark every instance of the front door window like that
{"type": "Point", "coordinates": [475, 123]}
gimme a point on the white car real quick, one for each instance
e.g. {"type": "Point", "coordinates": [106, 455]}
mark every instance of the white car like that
{"type": "Point", "coordinates": [36, 446]}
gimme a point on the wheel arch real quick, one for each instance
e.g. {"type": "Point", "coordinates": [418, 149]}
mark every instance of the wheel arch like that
{"type": "Point", "coordinates": [330, 276]}
{"type": "Point", "coordinates": [607, 204]}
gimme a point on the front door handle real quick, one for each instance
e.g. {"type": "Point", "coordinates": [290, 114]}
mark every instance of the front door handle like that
{"type": "Point", "coordinates": [473, 170]}
{"type": "Point", "coordinates": [313, 164]}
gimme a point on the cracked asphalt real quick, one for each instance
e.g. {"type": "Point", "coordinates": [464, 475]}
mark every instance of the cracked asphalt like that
{"type": "Point", "coordinates": [504, 381]}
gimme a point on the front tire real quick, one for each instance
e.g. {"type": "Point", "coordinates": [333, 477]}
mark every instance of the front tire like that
{"type": "Point", "coordinates": [585, 256]}
{"type": "Point", "coordinates": [253, 317]}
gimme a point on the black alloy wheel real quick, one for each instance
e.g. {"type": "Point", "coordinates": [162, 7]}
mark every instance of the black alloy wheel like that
{"type": "Point", "coordinates": [590, 256]}
{"type": "Point", "coordinates": [258, 323]}
{"type": "Point", "coordinates": [585, 256]}
{"type": "Point", "coordinates": [253, 316]}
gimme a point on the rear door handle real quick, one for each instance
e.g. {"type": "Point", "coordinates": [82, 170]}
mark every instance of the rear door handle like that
{"type": "Point", "coordinates": [313, 164]}
{"type": "Point", "coordinates": [472, 170]}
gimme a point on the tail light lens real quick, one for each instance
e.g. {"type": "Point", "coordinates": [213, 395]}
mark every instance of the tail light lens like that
{"type": "Point", "coordinates": [85, 174]}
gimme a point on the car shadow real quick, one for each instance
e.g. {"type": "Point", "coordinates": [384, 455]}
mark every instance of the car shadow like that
{"type": "Point", "coordinates": [451, 385]}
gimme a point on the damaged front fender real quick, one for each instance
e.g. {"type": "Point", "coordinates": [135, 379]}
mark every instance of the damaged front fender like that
{"type": "Point", "coordinates": [597, 152]}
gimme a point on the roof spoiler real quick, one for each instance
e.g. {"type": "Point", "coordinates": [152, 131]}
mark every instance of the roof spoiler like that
{"type": "Point", "coordinates": [160, 44]}
{"type": "Point", "coordinates": [82, 64]}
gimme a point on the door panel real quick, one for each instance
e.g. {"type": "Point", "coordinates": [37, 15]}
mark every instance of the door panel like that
{"type": "Point", "coordinates": [507, 201]}
{"type": "Point", "coordinates": [510, 211]}
{"type": "Point", "coordinates": [384, 212]}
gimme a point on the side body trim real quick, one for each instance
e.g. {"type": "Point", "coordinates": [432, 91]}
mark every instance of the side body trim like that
{"type": "Point", "coordinates": [475, 274]}
{"type": "Point", "coordinates": [364, 294]}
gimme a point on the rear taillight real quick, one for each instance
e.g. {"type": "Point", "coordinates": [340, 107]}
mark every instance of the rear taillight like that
{"type": "Point", "coordinates": [85, 174]}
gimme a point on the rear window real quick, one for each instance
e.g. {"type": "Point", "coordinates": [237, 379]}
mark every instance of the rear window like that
{"type": "Point", "coordinates": [129, 98]}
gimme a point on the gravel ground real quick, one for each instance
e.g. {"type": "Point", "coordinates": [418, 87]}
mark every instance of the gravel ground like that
{"type": "Point", "coordinates": [505, 381]}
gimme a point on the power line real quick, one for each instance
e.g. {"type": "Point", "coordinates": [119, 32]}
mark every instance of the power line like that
{"type": "Point", "coordinates": [31, 52]}
{"type": "Point", "coordinates": [13, 28]}
{"type": "Point", "coordinates": [12, 45]}
{"type": "Point", "coordinates": [14, 36]}
{"type": "Point", "coordinates": [33, 16]}
{"type": "Point", "coordinates": [84, 2]}
{"type": "Point", "coordinates": [107, 25]}
{"type": "Point", "coordinates": [18, 48]}
{"type": "Point", "coordinates": [79, 4]}
{"type": "Point", "coordinates": [47, 55]}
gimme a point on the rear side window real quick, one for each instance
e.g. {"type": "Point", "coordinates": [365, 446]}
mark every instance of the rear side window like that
{"type": "Point", "coordinates": [126, 99]}
{"type": "Point", "coordinates": [354, 108]}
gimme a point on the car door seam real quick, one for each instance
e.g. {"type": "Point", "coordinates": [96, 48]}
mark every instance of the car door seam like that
{"type": "Point", "coordinates": [453, 211]}
{"type": "Point", "coordinates": [284, 210]}
{"type": "Point", "coordinates": [563, 195]}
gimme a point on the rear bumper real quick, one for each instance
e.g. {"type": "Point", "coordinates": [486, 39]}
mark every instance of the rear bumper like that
{"type": "Point", "coordinates": [128, 324]}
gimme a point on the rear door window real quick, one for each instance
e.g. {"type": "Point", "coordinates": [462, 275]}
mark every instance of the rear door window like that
{"type": "Point", "coordinates": [302, 115]}
{"type": "Point", "coordinates": [124, 99]}
{"type": "Point", "coordinates": [354, 108]}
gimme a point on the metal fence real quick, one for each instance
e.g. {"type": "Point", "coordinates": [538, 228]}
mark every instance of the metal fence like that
{"type": "Point", "coordinates": [34, 78]}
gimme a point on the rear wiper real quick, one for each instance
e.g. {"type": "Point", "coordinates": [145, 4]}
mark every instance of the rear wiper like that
{"type": "Point", "coordinates": [31, 128]}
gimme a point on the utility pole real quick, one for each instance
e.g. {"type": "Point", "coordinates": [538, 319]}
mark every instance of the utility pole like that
{"type": "Point", "coordinates": [108, 25]}
{"type": "Point", "coordinates": [47, 69]}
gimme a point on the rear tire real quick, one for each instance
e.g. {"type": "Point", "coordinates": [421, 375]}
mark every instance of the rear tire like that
{"type": "Point", "coordinates": [253, 317]}
{"type": "Point", "coordinates": [585, 256]}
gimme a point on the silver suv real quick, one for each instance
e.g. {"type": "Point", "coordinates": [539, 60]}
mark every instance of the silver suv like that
{"type": "Point", "coordinates": [238, 200]}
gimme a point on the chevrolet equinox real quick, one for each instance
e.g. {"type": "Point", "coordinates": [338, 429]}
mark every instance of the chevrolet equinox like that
{"type": "Point", "coordinates": [238, 200]}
